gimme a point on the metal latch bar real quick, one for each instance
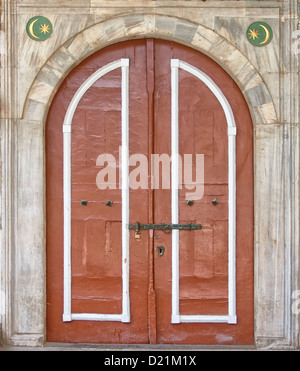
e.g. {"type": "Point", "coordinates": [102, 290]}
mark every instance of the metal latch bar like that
{"type": "Point", "coordinates": [164, 227]}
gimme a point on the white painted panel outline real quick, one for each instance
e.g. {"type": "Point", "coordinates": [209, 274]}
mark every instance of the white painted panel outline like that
{"type": "Point", "coordinates": [231, 317]}
{"type": "Point", "coordinates": [67, 132]}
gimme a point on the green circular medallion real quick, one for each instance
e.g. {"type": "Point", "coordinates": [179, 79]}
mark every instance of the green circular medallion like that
{"type": "Point", "coordinates": [259, 34]}
{"type": "Point", "coordinates": [39, 28]}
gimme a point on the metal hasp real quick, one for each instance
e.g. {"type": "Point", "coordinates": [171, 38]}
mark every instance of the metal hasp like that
{"type": "Point", "coordinates": [164, 227]}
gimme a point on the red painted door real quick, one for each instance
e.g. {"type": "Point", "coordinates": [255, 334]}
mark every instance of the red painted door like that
{"type": "Point", "coordinates": [203, 278]}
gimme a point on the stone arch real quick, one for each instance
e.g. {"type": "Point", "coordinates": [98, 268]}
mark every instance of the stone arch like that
{"type": "Point", "coordinates": [137, 26]}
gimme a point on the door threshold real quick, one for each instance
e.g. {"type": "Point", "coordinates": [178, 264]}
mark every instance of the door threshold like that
{"type": "Point", "coordinates": [146, 347]}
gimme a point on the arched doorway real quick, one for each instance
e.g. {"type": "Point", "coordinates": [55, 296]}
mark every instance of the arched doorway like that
{"type": "Point", "coordinates": [107, 283]}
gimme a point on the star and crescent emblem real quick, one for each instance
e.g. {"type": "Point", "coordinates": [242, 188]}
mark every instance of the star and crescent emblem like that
{"type": "Point", "coordinates": [39, 28]}
{"type": "Point", "coordinates": [259, 34]}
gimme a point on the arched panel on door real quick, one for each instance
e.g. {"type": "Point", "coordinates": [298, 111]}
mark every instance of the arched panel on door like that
{"type": "Point", "coordinates": [67, 130]}
{"type": "Point", "coordinates": [177, 64]}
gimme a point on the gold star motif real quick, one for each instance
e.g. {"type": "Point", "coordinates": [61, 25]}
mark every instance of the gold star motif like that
{"type": "Point", "coordinates": [253, 34]}
{"type": "Point", "coordinates": [45, 28]}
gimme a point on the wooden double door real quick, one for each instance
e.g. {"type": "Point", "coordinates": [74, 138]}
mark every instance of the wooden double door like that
{"type": "Point", "coordinates": [155, 133]}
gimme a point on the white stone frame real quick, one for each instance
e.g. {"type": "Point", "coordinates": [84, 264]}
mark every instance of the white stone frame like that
{"type": "Point", "coordinates": [276, 158]}
{"type": "Point", "coordinates": [231, 317]}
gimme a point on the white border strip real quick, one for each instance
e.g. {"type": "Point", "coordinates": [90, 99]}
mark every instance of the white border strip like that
{"type": "Point", "coordinates": [231, 318]}
{"type": "Point", "coordinates": [67, 129]}
{"type": "Point", "coordinates": [125, 190]}
{"type": "Point", "coordinates": [175, 186]}
{"type": "Point", "coordinates": [96, 317]}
